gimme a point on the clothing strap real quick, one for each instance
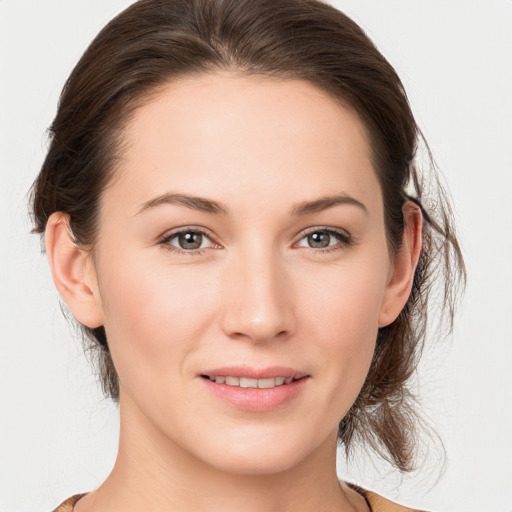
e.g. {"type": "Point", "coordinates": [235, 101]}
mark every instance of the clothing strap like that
{"type": "Point", "coordinates": [69, 504]}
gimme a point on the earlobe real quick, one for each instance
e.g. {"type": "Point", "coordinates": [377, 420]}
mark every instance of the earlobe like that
{"type": "Point", "coordinates": [73, 272]}
{"type": "Point", "coordinates": [406, 260]}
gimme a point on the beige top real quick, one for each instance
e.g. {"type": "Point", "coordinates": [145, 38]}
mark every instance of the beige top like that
{"type": "Point", "coordinates": [377, 503]}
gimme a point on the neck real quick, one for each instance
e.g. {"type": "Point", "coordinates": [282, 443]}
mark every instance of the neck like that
{"type": "Point", "coordinates": [154, 473]}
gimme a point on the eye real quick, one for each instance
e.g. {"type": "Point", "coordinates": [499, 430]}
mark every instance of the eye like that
{"type": "Point", "coordinates": [187, 240]}
{"type": "Point", "coordinates": [324, 239]}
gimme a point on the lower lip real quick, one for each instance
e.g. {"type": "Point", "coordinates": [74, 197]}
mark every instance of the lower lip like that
{"type": "Point", "coordinates": [255, 399]}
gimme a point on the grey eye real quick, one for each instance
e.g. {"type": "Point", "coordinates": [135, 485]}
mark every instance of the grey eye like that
{"type": "Point", "coordinates": [187, 240]}
{"type": "Point", "coordinates": [190, 240]}
{"type": "Point", "coordinates": [324, 239]}
{"type": "Point", "coordinates": [319, 240]}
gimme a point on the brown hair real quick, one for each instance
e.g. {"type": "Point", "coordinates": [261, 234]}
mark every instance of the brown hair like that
{"type": "Point", "coordinates": [156, 41]}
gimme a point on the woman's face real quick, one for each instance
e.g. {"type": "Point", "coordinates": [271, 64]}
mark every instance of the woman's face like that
{"type": "Point", "coordinates": [243, 236]}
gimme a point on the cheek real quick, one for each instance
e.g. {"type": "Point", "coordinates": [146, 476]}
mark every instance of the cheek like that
{"type": "Point", "coordinates": [346, 300]}
{"type": "Point", "coordinates": [343, 317]}
{"type": "Point", "coordinates": [153, 313]}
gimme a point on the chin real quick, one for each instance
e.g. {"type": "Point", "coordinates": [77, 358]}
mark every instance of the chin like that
{"type": "Point", "coordinates": [262, 453]}
{"type": "Point", "coordinates": [251, 464]}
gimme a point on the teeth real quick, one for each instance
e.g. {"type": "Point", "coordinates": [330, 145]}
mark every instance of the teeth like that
{"type": "Point", "coordinates": [266, 383]}
{"type": "Point", "coordinates": [248, 383]}
{"type": "Point", "coordinates": [245, 382]}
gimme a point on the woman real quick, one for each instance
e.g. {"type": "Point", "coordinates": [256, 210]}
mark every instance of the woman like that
{"type": "Point", "coordinates": [233, 213]}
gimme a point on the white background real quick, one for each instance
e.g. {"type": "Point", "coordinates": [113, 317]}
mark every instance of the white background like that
{"type": "Point", "coordinates": [58, 436]}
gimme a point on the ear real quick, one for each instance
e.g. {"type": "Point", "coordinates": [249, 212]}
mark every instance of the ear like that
{"type": "Point", "coordinates": [73, 272]}
{"type": "Point", "coordinates": [404, 265]}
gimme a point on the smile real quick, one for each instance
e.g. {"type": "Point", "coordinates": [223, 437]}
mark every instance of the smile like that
{"type": "Point", "coordinates": [245, 382]}
{"type": "Point", "coordinates": [255, 393]}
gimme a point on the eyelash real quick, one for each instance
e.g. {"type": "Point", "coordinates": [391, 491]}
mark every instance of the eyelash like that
{"type": "Point", "coordinates": [344, 240]}
{"type": "Point", "coordinates": [165, 241]}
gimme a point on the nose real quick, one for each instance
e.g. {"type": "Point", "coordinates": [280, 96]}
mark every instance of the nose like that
{"type": "Point", "coordinates": [259, 305]}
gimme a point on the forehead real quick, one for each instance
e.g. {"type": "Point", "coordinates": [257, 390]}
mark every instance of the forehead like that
{"type": "Point", "coordinates": [227, 135]}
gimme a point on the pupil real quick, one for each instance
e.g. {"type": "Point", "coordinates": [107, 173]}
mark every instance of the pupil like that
{"type": "Point", "coordinates": [319, 240]}
{"type": "Point", "coordinates": [190, 240]}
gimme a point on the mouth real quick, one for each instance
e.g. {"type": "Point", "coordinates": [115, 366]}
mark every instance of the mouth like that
{"type": "Point", "coordinates": [246, 382]}
{"type": "Point", "coordinates": [255, 390]}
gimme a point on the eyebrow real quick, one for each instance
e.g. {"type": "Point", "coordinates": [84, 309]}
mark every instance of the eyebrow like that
{"type": "Point", "coordinates": [324, 203]}
{"type": "Point", "coordinates": [192, 202]}
{"type": "Point", "coordinates": [209, 206]}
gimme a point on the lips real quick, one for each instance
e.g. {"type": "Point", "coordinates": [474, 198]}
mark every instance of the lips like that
{"type": "Point", "coordinates": [252, 389]}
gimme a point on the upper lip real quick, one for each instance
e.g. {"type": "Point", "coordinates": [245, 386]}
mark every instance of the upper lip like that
{"type": "Point", "coordinates": [255, 373]}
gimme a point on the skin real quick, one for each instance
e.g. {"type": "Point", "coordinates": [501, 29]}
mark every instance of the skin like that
{"type": "Point", "coordinates": [256, 293]}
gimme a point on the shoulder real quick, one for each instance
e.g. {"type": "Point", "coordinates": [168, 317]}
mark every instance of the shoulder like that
{"type": "Point", "coordinates": [68, 505]}
{"type": "Point", "coordinates": [378, 503]}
